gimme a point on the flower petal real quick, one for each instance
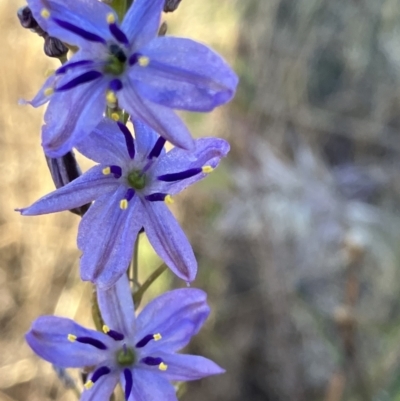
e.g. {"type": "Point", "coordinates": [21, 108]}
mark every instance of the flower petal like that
{"type": "Point", "coordinates": [78, 192]}
{"type": "Point", "coordinates": [41, 97]}
{"type": "Point", "coordinates": [183, 74]}
{"type": "Point", "coordinates": [207, 152]}
{"type": "Point", "coordinates": [105, 144]}
{"type": "Point", "coordinates": [169, 241]}
{"type": "Point", "coordinates": [161, 119]}
{"type": "Point", "coordinates": [72, 115]}
{"type": "Point", "coordinates": [106, 237]}
{"type": "Point", "coordinates": [146, 138]}
{"type": "Point", "coordinates": [102, 389]}
{"type": "Point", "coordinates": [89, 15]}
{"type": "Point", "coordinates": [177, 314]}
{"type": "Point", "coordinates": [142, 21]}
{"type": "Point", "coordinates": [149, 386]}
{"type": "Point", "coordinates": [188, 367]}
{"type": "Point", "coordinates": [116, 306]}
{"type": "Point", "coordinates": [48, 337]}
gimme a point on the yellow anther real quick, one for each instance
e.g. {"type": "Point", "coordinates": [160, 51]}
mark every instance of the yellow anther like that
{"type": "Point", "coordinates": [48, 91]}
{"type": "Point", "coordinates": [115, 116]}
{"type": "Point", "coordinates": [88, 385]}
{"type": "Point", "coordinates": [168, 200]}
{"type": "Point", "coordinates": [106, 171]}
{"type": "Point", "coordinates": [111, 98]}
{"type": "Point", "coordinates": [162, 366]}
{"type": "Point", "coordinates": [157, 337]}
{"type": "Point", "coordinates": [207, 169]}
{"type": "Point", "coordinates": [71, 338]}
{"type": "Point", "coordinates": [45, 13]}
{"type": "Point", "coordinates": [110, 18]}
{"type": "Point", "coordinates": [143, 61]}
{"type": "Point", "coordinates": [106, 329]}
{"type": "Point", "coordinates": [123, 204]}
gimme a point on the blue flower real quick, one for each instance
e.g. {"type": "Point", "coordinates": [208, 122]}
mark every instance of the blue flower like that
{"type": "Point", "coordinates": [124, 64]}
{"type": "Point", "coordinates": [129, 186]}
{"type": "Point", "coordinates": [138, 352]}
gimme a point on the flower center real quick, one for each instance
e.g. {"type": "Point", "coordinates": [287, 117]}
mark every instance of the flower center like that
{"type": "Point", "coordinates": [115, 64]}
{"type": "Point", "coordinates": [137, 179]}
{"type": "Point", "coordinates": [126, 356]}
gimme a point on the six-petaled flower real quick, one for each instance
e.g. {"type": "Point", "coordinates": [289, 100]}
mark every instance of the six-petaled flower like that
{"type": "Point", "coordinates": [129, 186]}
{"type": "Point", "coordinates": [138, 352]}
{"type": "Point", "coordinates": [124, 64]}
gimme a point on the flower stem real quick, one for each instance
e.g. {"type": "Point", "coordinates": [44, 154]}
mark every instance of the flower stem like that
{"type": "Point", "coordinates": [137, 297]}
{"type": "Point", "coordinates": [120, 6]}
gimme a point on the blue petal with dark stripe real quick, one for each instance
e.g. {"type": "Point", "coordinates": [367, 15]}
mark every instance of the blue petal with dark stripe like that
{"type": "Point", "coordinates": [81, 79]}
{"type": "Point", "coordinates": [91, 37]}
{"type": "Point", "coordinates": [180, 176]}
{"type": "Point", "coordinates": [130, 144]}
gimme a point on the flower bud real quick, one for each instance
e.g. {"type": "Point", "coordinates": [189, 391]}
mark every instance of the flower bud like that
{"type": "Point", "coordinates": [171, 5]}
{"type": "Point", "coordinates": [53, 47]}
{"type": "Point", "coordinates": [26, 19]}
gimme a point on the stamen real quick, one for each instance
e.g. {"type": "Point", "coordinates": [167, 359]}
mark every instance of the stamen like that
{"type": "Point", "coordinates": [180, 176]}
{"type": "Point", "coordinates": [115, 116]}
{"type": "Point", "coordinates": [156, 197]}
{"type": "Point", "coordinates": [111, 97]}
{"type": "Point", "coordinates": [123, 204]}
{"type": "Point", "coordinates": [162, 366]}
{"type": "Point", "coordinates": [79, 31]}
{"type": "Point", "coordinates": [45, 13]}
{"type": "Point", "coordinates": [115, 170]}
{"type": "Point", "coordinates": [63, 69]}
{"type": "Point", "coordinates": [207, 169]}
{"type": "Point", "coordinates": [88, 385]}
{"type": "Point", "coordinates": [48, 91]}
{"type": "Point", "coordinates": [157, 148]}
{"type": "Point", "coordinates": [129, 194]}
{"type": "Point", "coordinates": [116, 30]}
{"type": "Point", "coordinates": [146, 339]}
{"type": "Point", "coordinates": [81, 79]}
{"type": "Point", "coordinates": [143, 61]}
{"type": "Point", "coordinates": [130, 144]}
{"type": "Point", "coordinates": [149, 360]}
{"type": "Point", "coordinates": [113, 334]}
{"type": "Point", "coordinates": [90, 341]}
{"type": "Point", "coordinates": [103, 370]}
{"type": "Point", "coordinates": [128, 383]}
{"type": "Point", "coordinates": [71, 338]}
{"type": "Point", "coordinates": [115, 85]}
{"type": "Point", "coordinates": [168, 200]}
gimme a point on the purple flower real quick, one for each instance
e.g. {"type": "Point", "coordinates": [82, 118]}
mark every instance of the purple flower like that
{"type": "Point", "coordinates": [124, 64]}
{"type": "Point", "coordinates": [138, 352]}
{"type": "Point", "coordinates": [129, 186]}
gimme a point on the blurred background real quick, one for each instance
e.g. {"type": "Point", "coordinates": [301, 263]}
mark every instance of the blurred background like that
{"type": "Point", "coordinates": [297, 233]}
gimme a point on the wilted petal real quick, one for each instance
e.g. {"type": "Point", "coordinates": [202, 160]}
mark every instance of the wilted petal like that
{"type": "Point", "coordinates": [141, 22]}
{"type": "Point", "coordinates": [161, 119]}
{"type": "Point", "coordinates": [149, 386]}
{"type": "Point", "coordinates": [48, 337]}
{"type": "Point", "coordinates": [169, 241]}
{"type": "Point", "coordinates": [105, 144]}
{"type": "Point", "coordinates": [80, 191]}
{"type": "Point", "coordinates": [72, 115]}
{"type": "Point", "coordinates": [116, 306]}
{"type": "Point", "coordinates": [188, 367]}
{"type": "Point", "coordinates": [184, 74]}
{"type": "Point", "coordinates": [102, 389]}
{"type": "Point", "coordinates": [106, 237]}
{"type": "Point", "coordinates": [207, 152]}
{"type": "Point", "coordinates": [170, 313]}
{"type": "Point", "coordinates": [88, 15]}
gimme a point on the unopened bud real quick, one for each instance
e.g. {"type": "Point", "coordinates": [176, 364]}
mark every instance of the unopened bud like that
{"type": "Point", "coordinates": [171, 5]}
{"type": "Point", "coordinates": [53, 47]}
{"type": "Point", "coordinates": [26, 18]}
{"type": "Point", "coordinates": [63, 170]}
{"type": "Point", "coordinates": [163, 29]}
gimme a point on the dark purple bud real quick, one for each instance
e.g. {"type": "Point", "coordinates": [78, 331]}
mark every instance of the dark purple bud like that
{"type": "Point", "coordinates": [26, 18]}
{"type": "Point", "coordinates": [53, 47]}
{"type": "Point", "coordinates": [163, 29]}
{"type": "Point", "coordinates": [171, 5]}
{"type": "Point", "coordinates": [63, 170]}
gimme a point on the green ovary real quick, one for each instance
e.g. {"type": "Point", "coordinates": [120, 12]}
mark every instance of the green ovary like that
{"type": "Point", "coordinates": [126, 357]}
{"type": "Point", "coordinates": [137, 180]}
{"type": "Point", "coordinates": [114, 66]}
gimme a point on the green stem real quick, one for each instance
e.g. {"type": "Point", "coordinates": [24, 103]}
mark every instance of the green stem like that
{"type": "Point", "coordinates": [120, 6]}
{"type": "Point", "coordinates": [137, 297]}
